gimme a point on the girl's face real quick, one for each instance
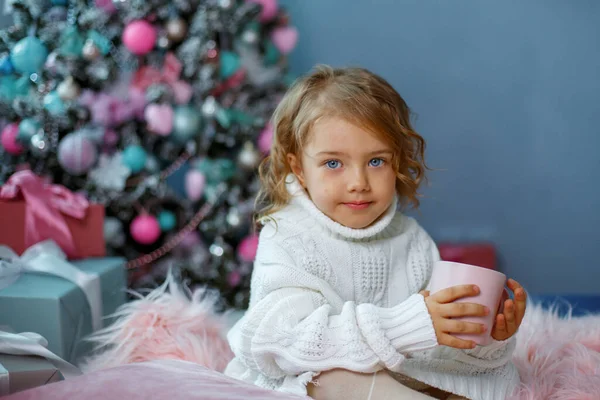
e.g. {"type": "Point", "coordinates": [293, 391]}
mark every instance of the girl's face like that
{"type": "Point", "coordinates": [347, 172]}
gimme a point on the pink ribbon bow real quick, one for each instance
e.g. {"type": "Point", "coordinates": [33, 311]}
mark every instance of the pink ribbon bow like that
{"type": "Point", "coordinates": [146, 76]}
{"type": "Point", "coordinates": [46, 205]}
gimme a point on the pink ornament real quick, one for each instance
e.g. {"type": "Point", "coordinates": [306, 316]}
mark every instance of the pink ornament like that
{"type": "Point", "coordinates": [265, 139]}
{"type": "Point", "coordinates": [110, 138]}
{"type": "Point", "coordinates": [234, 278]}
{"type": "Point", "coordinates": [9, 139]}
{"type": "Point", "coordinates": [77, 154]}
{"type": "Point", "coordinates": [269, 9]}
{"type": "Point", "coordinates": [182, 92]}
{"type": "Point", "coordinates": [145, 229]}
{"type": "Point", "coordinates": [159, 118]}
{"type": "Point", "coordinates": [285, 38]}
{"type": "Point", "coordinates": [194, 184]}
{"type": "Point", "coordinates": [247, 248]}
{"type": "Point", "coordinates": [191, 240]}
{"type": "Point", "coordinates": [106, 5]}
{"type": "Point", "coordinates": [139, 37]}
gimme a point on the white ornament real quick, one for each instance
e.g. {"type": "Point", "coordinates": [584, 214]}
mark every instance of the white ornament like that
{"type": "Point", "coordinates": [111, 173]}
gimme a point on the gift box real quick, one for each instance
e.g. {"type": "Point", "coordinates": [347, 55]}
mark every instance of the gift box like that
{"type": "Point", "coordinates": [26, 372]}
{"type": "Point", "coordinates": [37, 211]}
{"type": "Point", "coordinates": [58, 309]}
{"type": "Point", "coordinates": [87, 233]}
{"type": "Point", "coordinates": [480, 254]}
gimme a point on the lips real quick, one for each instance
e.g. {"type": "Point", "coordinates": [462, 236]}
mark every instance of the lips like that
{"type": "Point", "coordinates": [358, 205]}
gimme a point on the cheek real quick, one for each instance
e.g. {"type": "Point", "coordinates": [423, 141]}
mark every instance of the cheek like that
{"type": "Point", "coordinates": [388, 182]}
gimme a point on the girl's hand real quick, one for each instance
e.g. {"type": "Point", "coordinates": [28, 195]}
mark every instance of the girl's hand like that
{"type": "Point", "coordinates": [508, 321]}
{"type": "Point", "coordinates": [442, 310]}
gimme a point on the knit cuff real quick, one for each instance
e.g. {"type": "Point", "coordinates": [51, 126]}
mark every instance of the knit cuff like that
{"type": "Point", "coordinates": [495, 350]}
{"type": "Point", "coordinates": [408, 325]}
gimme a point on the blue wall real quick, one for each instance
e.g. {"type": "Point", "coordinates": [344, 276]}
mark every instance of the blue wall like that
{"type": "Point", "coordinates": [508, 97]}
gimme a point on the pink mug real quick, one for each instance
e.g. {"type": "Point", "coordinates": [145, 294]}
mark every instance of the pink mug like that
{"type": "Point", "coordinates": [491, 285]}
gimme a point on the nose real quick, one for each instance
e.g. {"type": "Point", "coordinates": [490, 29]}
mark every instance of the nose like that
{"type": "Point", "coordinates": [358, 181]}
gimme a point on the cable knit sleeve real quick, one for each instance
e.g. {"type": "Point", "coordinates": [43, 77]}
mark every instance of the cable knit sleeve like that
{"type": "Point", "coordinates": [297, 323]}
{"type": "Point", "coordinates": [495, 354]}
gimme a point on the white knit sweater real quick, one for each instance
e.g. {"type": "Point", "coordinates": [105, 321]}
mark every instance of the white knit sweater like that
{"type": "Point", "coordinates": [326, 296]}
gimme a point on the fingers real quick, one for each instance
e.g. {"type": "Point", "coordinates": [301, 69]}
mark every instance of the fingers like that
{"type": "Point", "coordinates": [425, 293]}
{"type": "Point", "coordinates": [500, 328]}
{"type": "Point", "coordinates": [463, 310]}
{"type": "Point", "coordinates": [450, 294]}
{"type": "Point", "coordinates": [449, 340]}
{"type": "Point", "coordinates": [520, 304]}
{"type": "Point", "coordinates": [455, 326]}
{"type": "Point", "coordinates": [520, 300]}
{"type": "Point", "coordinates": [514, 285]}
{"type": "Point", "coordinates": [509, 315]}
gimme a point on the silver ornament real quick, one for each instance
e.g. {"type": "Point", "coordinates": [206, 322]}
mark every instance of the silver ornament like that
{"type": "Point", "coordinates": [163, 41]}
{"type": "Point", "coordinates": [216, 250]}
{"type": "Point", "coordinates": [209, 107]}
{"type": "Point", "coordinates": [234, 218]}
{"type": "Point", "coordinates": [250, 36]}
{"type": "Point", "coordinates": [39, 144]}
{"type": "Point", "coordinates": [68, 89]}
{"type": "Point", "coordinates": [187, 124]}
{"type": "Point", "coordinates": [225, 4]}
{"type": "Point", "coordinates": [176, 29]}
{"type": "Point", "coordinates": [249, 157]}
{"type": "Point", "coordinates": [152, 165]}
{"type": "Point", "coordinates": [90, 51]}
{"type": "Point", "coordinates": [113, 232]}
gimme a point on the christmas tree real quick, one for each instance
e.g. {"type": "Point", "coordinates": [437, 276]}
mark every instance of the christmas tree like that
{"type": "Point", "coordinates": [157, 110]}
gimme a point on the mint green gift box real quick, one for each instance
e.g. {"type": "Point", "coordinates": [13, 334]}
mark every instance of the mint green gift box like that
{"type": "Point", "coordinates": [58, 310]}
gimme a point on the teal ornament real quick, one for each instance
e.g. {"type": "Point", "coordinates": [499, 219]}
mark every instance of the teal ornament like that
{"type": "Point", "coordinates": [54, 104]}
{"type": "Point", "coordinates": [253, 26]}
{"type": "Point", "coordinates": [28, 55]}
{"type": "Point", "coordinates": [223, 116]}
{"type": "Point", "coordinates": [27, 128]}
{"type": "Point", "coordinates": [187, 124]}
{"type": "Point", "coordinates": [134, 157]}
{"type": "Point", "coordinates": [210, 194]}
{"type": "Point", "coordinates": [8, 88]}
{"type": "Point", "coordinates": [71, 42]}
{"type": "Point", "coordinates": [11, 88]}
{"type": "Point", "coordinates": [59, 2]}
{"type": "Point", "coordinates": [272, 55]}
{"type": "Point", "coordinates": [22, 86]}
{"type": "Point", "coordinates": [230, 63]}
{"type": "Point", "coordinates": [167, 220]}
{"type": "Point", "coordinates": [101, 42]}
{"type": "Point", "coordinates": [241, 117]}
{"type": "Point", "coordinates": [218, 170]}
{"type": "Point", "coordinates": [6, 67]}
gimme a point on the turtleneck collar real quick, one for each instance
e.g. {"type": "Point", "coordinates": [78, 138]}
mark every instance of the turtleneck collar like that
{"type": "Point", "coordinates": [300, 197]}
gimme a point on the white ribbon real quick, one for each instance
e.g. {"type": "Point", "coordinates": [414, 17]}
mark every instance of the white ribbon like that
{"type": "Point", "coordinates": [27, 344]}
{"type": "Point", "coordinates": [4, 382]}
{"type": "Point", "coordinates": [46, 257]}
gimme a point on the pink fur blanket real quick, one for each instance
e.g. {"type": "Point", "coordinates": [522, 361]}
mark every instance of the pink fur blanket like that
{"type": "Point", "coordinates": [558, 358]}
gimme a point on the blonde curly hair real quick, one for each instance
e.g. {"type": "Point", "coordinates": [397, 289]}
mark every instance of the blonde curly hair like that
{"type": "Point", "coordinates": [361, 98]}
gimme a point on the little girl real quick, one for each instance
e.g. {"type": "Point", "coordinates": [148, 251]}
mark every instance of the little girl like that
{"type": "Point", "coordinates": [338, 306]}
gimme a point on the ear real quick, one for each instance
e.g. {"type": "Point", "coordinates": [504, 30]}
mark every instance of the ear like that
{"type": "Point", "coordinates": [296, 167]}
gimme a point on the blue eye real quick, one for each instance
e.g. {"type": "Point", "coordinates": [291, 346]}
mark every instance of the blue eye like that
{"type": "Point", "coordinates": [332, 164]}
{"type": "Point", "coordinates": [376, 162]}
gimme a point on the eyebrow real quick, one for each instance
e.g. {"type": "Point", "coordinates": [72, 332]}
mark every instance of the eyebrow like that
{"type": "Point", "coordinates": [339, 153]}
